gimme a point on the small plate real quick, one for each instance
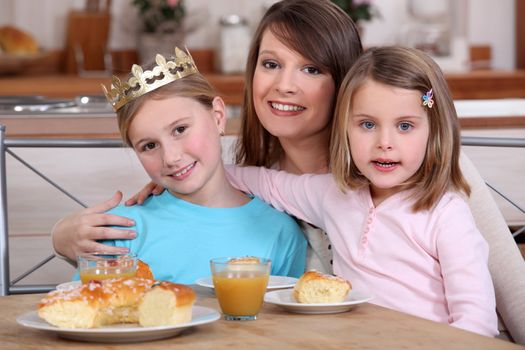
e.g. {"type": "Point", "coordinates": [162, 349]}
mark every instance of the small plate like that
{"type": "Point", "coordinates": [120, 333]}
{"type": "Point", "coordinates": [68, 285]}
{"type": "Point", "coordinates": [285, 299]}
{"type": "Point", "coordinates": [275, 282]}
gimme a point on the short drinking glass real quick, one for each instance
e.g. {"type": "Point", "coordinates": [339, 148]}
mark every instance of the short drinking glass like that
{"type": "Point", "coordinates": [240, 284]}
{"type": "Point", "coordinates": [98, 266]}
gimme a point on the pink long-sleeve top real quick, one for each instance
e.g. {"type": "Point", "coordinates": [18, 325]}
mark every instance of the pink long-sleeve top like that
{"type": "Point", "coordinates": [432, 264]}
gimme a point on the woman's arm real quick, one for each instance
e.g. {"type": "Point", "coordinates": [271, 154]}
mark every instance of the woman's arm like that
{"type": "Point", "coordinates": [148, 190]}
{"type": "Point", "coordinates": [78, 233]}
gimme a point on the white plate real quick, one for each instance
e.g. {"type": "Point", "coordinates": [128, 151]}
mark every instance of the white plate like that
{"type": "Point", "coordinates": [68, 285]}
{"type": "Point", "coordinates": [275, 282]}
{"type": "Point", "coordinates": [121, 332]}
{"type": "Point", "coordinates": [284, 298]}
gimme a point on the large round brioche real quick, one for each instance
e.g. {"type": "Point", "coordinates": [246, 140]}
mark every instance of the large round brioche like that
{"type": "Point", "coordinates": [16, 41]}
{"type": "Point", "coordinates": [143, 270]}
{"type": "Point", "coordinates": [315, 287]}
{"type": "Point", "coordinates": [166, 304]}
{"type": "Point", "coordinates": [122, 300]}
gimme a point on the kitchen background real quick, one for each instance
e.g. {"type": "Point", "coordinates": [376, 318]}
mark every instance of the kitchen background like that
{"type": "Point", "coordinates": [483, 22]}
{"type": "Point", "coordinates": [94, 174]}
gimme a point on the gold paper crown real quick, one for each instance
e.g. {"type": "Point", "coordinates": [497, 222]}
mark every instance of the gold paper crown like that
{"type": "Point", "coordinates": [142, 82]}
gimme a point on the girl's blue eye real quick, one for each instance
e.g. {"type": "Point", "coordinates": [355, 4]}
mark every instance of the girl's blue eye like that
{"type": "Point", "coordinates": [367, 125]}
{"type": "Point", "coordinates": [404, 126]}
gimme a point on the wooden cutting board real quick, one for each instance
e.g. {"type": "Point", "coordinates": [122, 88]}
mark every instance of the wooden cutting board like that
{"type": "Point", "coordinates": [87, 31]}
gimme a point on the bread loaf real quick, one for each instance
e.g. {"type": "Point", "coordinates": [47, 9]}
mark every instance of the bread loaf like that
{"type": "Point", "coordinates": [143, 270]}
{"type": "Point", "coordinates": [122, 300]}
{"type": "Point", "coordinates": [317, 288]}
{"type": "Point", "coordinates": [166, 304]}
{"type": "Point", "coordinates": [16, 41]}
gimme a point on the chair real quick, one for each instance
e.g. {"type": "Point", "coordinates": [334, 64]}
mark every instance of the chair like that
{"type": "Point", "coordinates": [506, 263]}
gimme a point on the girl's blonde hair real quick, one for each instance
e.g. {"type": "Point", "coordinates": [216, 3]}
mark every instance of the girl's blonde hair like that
{"type": "Point", "coordinates": [318, 30]}
{"type": "Point", "coordinates": [193, 86]}
{"type": "Point", "coordinates": [413, 70]}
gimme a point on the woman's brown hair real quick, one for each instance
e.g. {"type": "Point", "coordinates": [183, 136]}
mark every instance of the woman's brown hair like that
{"type": "Point", "coordinates": [413, 70]}
{"type": "Point", "coordinates": [318, 30]}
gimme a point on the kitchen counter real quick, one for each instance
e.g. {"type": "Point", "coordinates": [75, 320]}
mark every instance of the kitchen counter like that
{"type": "Point", "coordinates": [483, 84]}
{"type": "Point", "coordinates": [500, 93]}
{"type": "Point", "coordinates": [230, 87]}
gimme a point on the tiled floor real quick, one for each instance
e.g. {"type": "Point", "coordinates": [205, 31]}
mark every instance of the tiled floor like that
{"type": "Point", "coordinates": [94, 174]}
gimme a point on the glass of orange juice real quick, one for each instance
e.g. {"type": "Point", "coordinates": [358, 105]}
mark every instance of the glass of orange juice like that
{"type": "Point", "coordinates": [240, 284]}
{"type": "Point", "coordinates": [99, 266]}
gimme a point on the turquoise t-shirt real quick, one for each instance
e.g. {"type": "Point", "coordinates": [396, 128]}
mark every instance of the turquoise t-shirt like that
{"type": "Point", "coordinates": [178, 239]}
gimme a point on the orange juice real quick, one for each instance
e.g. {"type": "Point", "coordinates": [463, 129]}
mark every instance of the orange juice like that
{"type": "Point", "coordinates": [97, 273]}
{"type": "Point", "coordinates": [240, 293]}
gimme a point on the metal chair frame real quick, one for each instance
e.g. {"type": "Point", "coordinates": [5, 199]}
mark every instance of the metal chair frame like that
{"type": "Point", "coordinates": [8, 286]}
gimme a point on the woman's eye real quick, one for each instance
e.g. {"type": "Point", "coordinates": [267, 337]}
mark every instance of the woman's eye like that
{"type": "Point", "coordinates": [367, 125]}
{"type": "Point", "coordinates": [270, 64]}
{"type": "Point", "coordinates": [312, 70]}
{"type": "Point", "coordinates": [405, 126]}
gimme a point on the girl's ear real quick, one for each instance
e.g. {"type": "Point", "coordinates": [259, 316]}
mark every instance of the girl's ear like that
{"type": "Point", "coordinates": [219, 114]}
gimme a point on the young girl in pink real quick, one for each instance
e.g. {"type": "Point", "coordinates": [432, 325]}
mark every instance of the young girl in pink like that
{"type": "Point", "coordinates": [394, 205]}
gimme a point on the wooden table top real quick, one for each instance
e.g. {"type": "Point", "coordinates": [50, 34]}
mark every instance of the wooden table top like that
{"type": "Point", "coordinates": [365, 327]}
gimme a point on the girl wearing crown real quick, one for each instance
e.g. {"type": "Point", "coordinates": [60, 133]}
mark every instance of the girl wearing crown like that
{"type": "Point", "coordinates": [393, 208]}
{"type": "Point", "coordinates": [173, 119]}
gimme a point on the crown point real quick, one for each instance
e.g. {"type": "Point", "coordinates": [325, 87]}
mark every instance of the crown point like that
{"type": "Point", "coordinates": [161, 60]}
{"type": "Point", "coordinates": [179, 52]}
{"type": "Point", "coordinates": [142, 82]}
{"type": "Point", "coordinates": [136, 70]}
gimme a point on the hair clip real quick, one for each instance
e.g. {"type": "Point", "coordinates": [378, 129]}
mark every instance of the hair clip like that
{"type": "Point", "coordinates": [428, 99]}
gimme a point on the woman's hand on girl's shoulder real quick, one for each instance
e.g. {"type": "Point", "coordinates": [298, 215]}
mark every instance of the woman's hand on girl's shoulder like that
{"type": "Point", "coordinates": [78, 233]}
{"type": "Point", "coordinates": [148, 190]}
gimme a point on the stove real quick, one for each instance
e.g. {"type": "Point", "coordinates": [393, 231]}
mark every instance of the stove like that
{"type": "Point", "coordinates": [35, 105]}
{"type": "Point", "coordinates": [38, 116]}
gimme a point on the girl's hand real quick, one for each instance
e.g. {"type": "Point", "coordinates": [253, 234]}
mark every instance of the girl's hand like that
{"type": "Point", "coordinates": [150, 189]}
{"type": "Point", "coordinates": [78, 233]}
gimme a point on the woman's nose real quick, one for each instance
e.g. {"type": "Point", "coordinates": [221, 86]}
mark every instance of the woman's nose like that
{"type": "Point", "coordinates": [287, 82]}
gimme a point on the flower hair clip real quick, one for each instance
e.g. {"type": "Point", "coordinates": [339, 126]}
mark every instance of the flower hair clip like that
{"type": "Point", "coordinates": [428, 99]}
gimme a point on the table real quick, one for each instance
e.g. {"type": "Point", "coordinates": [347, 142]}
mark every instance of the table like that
{"type": "Point", "coordinates": [366, 327]}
